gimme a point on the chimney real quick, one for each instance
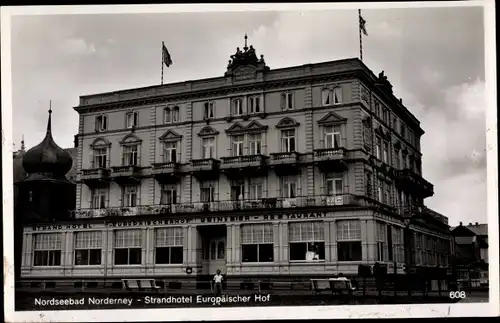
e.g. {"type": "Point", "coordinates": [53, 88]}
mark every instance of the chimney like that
{"type": "Point", "coordinates": [460, 223]}
{"type": "Point", "coordinates": [401, 100]}
{"type": "Point", "coordinates": [470, 223]}
{"type": "Point", "coordinates": [477, 223]}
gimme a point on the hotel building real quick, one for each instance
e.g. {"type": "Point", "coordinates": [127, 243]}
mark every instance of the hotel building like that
{"type": "Point", "coordinates": [295, 172]}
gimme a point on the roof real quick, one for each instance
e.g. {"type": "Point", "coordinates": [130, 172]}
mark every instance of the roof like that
{"type": "Point", "coordinates": [464, 240]}
{"type": "Point", "coordinates": [480, 229]}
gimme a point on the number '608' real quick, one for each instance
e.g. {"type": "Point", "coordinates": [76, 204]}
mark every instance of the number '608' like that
{"type": "Point", "coordinates": [457, 294]}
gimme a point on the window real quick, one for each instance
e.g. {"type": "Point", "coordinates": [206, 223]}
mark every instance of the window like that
{"type": "Point", "coordinates": [397, 153]}
{"type": "Point", "coordinates": [209, 112]}
{"type": "Point", "coordinates": [386, 152]}
{"type": "Point", "coordinates": [418, 247]}
{"type": "Point", "coordinates": [349, 240]}
{"type": "Point", "coordinates": [99, 198]}
{"type": "Point", "coordinates": [130, 196]}
{"type": "Point", "coordinates": [47, 249]}
{"type": "Point", "coordinates": [367, 136]}
{"type": "Point", "coordinates": [380, 191]}
{"type": "Point", "coordinates": [208, 147]}
{"type": "Point", "coordinates": [237, 145]}
{"type": "Point", "coordinates": [169, 246]}
{"type": "Point", "coordinates": [207, 191]}
{"type": "Point", "coordinates": [418, 166]}
{"type": "Point", "coordinates": [254, 104]}
{"type": "Point", "coordinates": [100, 157]}
{"type": "Point", "coordinates": [175, 114]}
{"type": "Point", "coordinates": [130, 155]}
{"type": "Point", "coordinates": [171, 114]}
{"type": "Point", "coordinates": [337, 95]}
{"type": "Point", "coordinates": [334, 185]}
{"type": "Point", "coordinates": [289, 187]}
{"type": "Point", "coordinates": [170, 152]}
{"type": "Point", "coordinates": [404, 158]}
{"type": "Point", "coordinates": [288, 141]}
{"type": "Point", "coordinates": [381, 236]}
{"type": "Point", "coordinates": [168, 195]}
{"type": "Point", "coordinates": [101, 123]}
{"type": "Point", "coordinates": [397, 244]}
{"type": "Point", "coordinates": [378, 147]}
{"type": "Point", "coordinates": [255, 143]}
{"type": "Point", "coordinates": [403, 130]}
{"type": "Point", "coordinates": [325, 97]}
{"type": "Point", "coordinates": [390, 248]}
{"type": "Point", "coordinates": [287, 101]}
{"type": "Point", "coordinates": [369, 187]}
{"type": "Point", "coordinates": [307, 240]}
{"type": "Point", "coordinates": [237, 107]}
{"type": "Point", "coordinates": [332, 137]}
{"type": "Point", "coordinates": [132, 119]}
{"type": "Point", "coordinates": [411, 162]}
{"type": "Point", "coordinates": [377, 109]}
{"type": "Point", "coordinates": [128, 247]}
{"type": "Point", "coordinates": [237, 190]}
{"type": "Point", "coordinates": [88, 248]}
{"type": "Point", "coordinates": [387, 194]}
{"type": "Point", "coordinates": [257, 242]}
{"type": "Point", "coordinates": [385, 114]}
{"type": "Point", "coordinates": [255, 189]}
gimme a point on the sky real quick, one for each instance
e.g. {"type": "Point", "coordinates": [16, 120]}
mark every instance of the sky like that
{"type": "Point", "coordinates": [434, 57]}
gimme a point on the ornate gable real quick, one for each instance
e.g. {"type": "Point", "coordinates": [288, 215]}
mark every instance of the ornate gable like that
{"type": "Point", "coordinates": [287, 122]}
{"type": "Point", "coordinates": [208, 131]}
{"type": "Point", "coordinates": [130, 139]}
{"type": "Point", "coordinates": [100, 142]}
{"type": "Point", "coordinates": [332, 118]}
{"type": "Point", "coordinates": [255, 126]}
{"type": "Point", "coordinates": [236, 128]}
{"type": "Point", "coordinates": [170, 135]}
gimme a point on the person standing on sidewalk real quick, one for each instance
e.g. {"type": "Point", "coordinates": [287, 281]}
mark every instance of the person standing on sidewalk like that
{"type": "Point", "coordinates": [218, 283]}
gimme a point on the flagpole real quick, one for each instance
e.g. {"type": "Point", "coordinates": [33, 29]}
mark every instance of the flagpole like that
{"type": "Point", "coordinates": [162, 60]}
{"type": "Point", "coordinates": [360, 36]}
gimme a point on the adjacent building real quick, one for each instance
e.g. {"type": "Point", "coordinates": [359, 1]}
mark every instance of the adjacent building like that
{"type": "Point", "coordinates": [294, 172]}
{"type": "Point", "coordinates": [470, 255]}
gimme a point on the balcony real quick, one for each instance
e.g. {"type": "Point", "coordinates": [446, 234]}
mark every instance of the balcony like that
{"type": "Point", "coordinates": [125, 175]}
{"type": "Point", "coordinates": [205, 169]}
{"type": "Point", "coordinates": [244, 166]}
{"type": "Point", "coordinates": [96, 177]}
{"type": "Point", "coordinates": [285, 163]}
{"type": "Point", "coordinates": [331, 159]}
{"type": "Point", "coordinates": [321, 203]}
{"type": "Point", "coordinates": [414, 212]}
{"type": "Point", "coordinates": [412, 182]}
{"type": "Point", "coordinates": [165, 173]}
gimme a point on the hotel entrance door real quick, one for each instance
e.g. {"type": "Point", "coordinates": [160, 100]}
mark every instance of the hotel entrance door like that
{"type": "Point", "coordinates": [214, 250]}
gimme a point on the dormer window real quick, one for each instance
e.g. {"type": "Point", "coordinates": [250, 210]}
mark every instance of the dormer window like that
{"type": "Point", "coordinates": [132, 120]}
{"type": "Point", "coordinates": [209, 111]}
{"type": "Point", "coordinates": [254, 105]}
{"type": "Point", "coordinates": [237, 107]}
{"type": "Point", "coordinates": [337, 95]}
{"type": "Point", "coordinates": [325, 97]}
{"type": "Point", "coordinates": [287, 101]}
{"type": "Point", "coordinates": [101, 123]}
{"type": "Point", "coordinates": [171, 114]}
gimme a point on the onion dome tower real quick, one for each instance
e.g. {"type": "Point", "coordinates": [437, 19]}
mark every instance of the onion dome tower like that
{"type": "Point", "coordinates": [45, 194]}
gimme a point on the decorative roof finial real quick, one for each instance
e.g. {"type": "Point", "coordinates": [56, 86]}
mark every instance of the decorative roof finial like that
{"type": "Point", "coordinates": [22, 143]}
{"type": "Point", "coordinates": [49, 123]}
{"type": "Point", "coordinates": [246, 47]}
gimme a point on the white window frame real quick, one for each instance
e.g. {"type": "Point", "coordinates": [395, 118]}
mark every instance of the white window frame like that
{"type": "Point", "coordinates": [130, 155]}
{"type": "Point", "coordinates": [287, 101]}
{"type": "Point", "coordinates": [255, 143]}
{"type": "Point", "coordinates": [308, 232]}
{"type": "Point", "coordinates": [255, 190]}
{"type": "Point", "coordinates": [130, 195]}
{"type": "Point", "coordinates": [332, 132]}
{"type": "Point", "coordinates": [101, 123]}
{"type": "Point", "coordinates": [331, 187]}
{"type": "Point", "coordinates": [381, 238]}
{"type": "Point", "coordinates": [237, 145]}
{"type": "Point", "coordinates": [122, 242]}
{"type": "Point", "coordinates": [168, 194]}
{"type": "Point", "coordinates": [286, 138]}
{"type": "Point", "coordinates": [326, 97]}
{"type": "Point", "coordinates": [99, 198]}
{"type": "Point", "coordinates": [337, 95]}
{"type": "Point", "coordinates": [100, 154]}
{"type": "Point", "coordinates": [88, 241]}
{"type": "Point", "coordinates": [237, 107]}
{"type": "Point", "coordinates": [385, 152]}
{"type": "Point", "coordinates": [254, 105]}
{"type": "Point", "coordinates": [258, 235]}
{"type": "Point", "coordinates": [131, 119]}
{"type": "Point", "coordinates": [169, 238]}
{"type": "Point", "coordinates": [348, 231]}
{"type": "Point", "coordinates": [210, 186]}
{"type": "Point", "coordinates": [208, 147]}
{"type": "Point", "coordinates": [209, 110]}
{"type": "Point", "coordinates": [289, 185]}
{"type": "Point", "coordinates": [378, 147]}
{"type": "Point", "coordinates": [170, 152]}
{"type": "Point", "coordinates": [241, 187]}
{"type": "Point", "coordinates": [51, 243]}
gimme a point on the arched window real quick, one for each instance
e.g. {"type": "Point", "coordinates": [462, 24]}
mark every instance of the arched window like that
{"type": "Point", "coordinates": [132, 119]}
{"type": "Point", "coordinates": [221, 250]}
{"type": "Point", "coordinates": [325, 97]}
{"type": "Point", "coordinates": [337, 95]}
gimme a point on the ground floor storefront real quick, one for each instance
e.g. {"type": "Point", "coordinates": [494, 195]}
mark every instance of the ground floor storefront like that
{"type": "Point", "coordinates": [287, 247]}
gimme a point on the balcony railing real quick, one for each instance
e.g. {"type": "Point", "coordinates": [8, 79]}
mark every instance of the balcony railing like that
{"type": "Point", "coordinates": [333, 153]}
{"type": "Point", "coordinates": [125, 170]}
{"type": "Point", "coordinates": [245, 159]}
{"type": "Point", "coordinates": [165, 166]}
{"type": "Point", "coordinates": [231, 206]}
{"type": "Point", "coordinates": [290, 156]}
{"type": "Point", "coordinates": [206, 162]}
{"type": "Point", "coordinates": [422, 211]}
{"type": "Point", "coordinates": [96, 172]}
{"type": "Point", "coordinates": [414, 179]}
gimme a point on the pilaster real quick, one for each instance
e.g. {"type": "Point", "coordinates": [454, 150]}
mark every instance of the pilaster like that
{"type": "Point", "coordinates": [145, 244]}
{"type": "Point", "coordinates": [150, 247]}
{"type": "Point", "coordinates": [152, 153]}
{"type": "Point", "coordinates": [229, 244]}
{"type": "Point", "coordinates": [276, 242]}
{"type": "Point", "coordinates": [185, 240]}
{"type": "Point", "coordinates": [283, 232]}
{"type": "Point", "coordinates": [333, 240]}
{"type": "Point", "coordinates": [236, 235]}
{"type": "Point", "coordinates": [328, 240]}
{"type": "Point", "coordinates": [111, 245]}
